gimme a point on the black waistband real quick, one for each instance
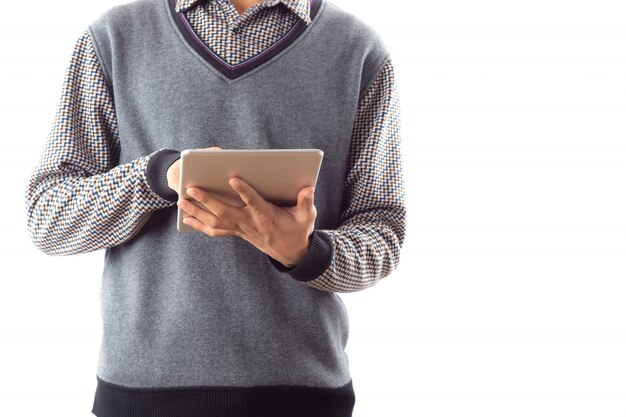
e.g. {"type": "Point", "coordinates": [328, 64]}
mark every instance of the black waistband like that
{"type": "Point", "coordinates": [112, 400]}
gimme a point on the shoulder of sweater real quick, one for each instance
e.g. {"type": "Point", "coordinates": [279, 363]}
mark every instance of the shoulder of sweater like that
{"type": "Point", "coordinates": [353, 29]}
{"type": "Point", "coordinates": [131, 13]}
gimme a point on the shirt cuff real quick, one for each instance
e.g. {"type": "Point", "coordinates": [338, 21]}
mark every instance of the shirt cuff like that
{"type": "Point", "coordinates": [156, 173]}
{"type": "Point", "coordinates": [316, 261]}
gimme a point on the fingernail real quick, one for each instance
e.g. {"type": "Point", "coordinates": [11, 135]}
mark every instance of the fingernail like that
{"type": "Point", "coordinates": [192, 192]}
{"type": "Point", "coordinates": [235, 181]}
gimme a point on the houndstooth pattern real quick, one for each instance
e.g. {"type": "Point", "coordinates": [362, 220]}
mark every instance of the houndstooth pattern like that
{"type": "Point", "coordinates": [78, 198]}
{"type": "Point", "coordinates": [366, 245]}
{"type": "Point", "coordinates": [261, 26]}
{"type": "Point", "coordinates": [299, 7]}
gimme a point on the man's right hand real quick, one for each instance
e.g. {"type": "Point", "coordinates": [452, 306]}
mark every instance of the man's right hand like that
{"type": "Point", "coordinates": [173, 172]}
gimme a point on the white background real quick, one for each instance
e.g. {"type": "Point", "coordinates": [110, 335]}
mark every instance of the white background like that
{"type": "Point", "coordinates": [510, 296]}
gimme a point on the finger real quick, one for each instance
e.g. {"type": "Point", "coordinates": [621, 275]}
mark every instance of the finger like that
{"type": "Point", "coordinates": [198, 225]}
{"type": "Point", "coordinates": [205, 216]}
{"type": "Point", "coordinates": [217, 206]}
{"type": "Point", "coordinates": [249, 195]}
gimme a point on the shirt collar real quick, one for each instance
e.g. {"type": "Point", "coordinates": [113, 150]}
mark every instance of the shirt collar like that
{"type": "Point", "coordinates": [299, 7]}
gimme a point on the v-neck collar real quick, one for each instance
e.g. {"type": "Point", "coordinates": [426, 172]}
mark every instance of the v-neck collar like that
{"type": "Point", "coordinates": [234, 72]}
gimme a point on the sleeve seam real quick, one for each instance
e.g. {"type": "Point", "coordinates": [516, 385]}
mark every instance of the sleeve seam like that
{"type": "Point", "coordinates": [379, 67]}
{"type": "Point", "coordinates": [96, 49]}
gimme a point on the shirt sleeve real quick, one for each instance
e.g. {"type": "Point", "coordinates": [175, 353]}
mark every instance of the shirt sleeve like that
{"type": "Point", "coordinates": [366, 246]}
{"type": "Point", "coordinates": [78, 199]}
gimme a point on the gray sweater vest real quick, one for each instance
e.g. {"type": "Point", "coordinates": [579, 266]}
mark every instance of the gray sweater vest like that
{"type": "Point", "coordinates": [188, 310]}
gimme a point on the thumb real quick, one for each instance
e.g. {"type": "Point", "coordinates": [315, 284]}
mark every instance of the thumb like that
{"type": "Point", "coordinates": [305, 199]}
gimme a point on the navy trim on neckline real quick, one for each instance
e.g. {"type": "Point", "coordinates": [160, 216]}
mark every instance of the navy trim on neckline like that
{"type": "Point", "coordinates": [235, 71]}
{"type": "Point", "coordinates": [112, 400]}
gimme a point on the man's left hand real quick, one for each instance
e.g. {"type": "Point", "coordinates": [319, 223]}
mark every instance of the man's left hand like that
{"type": "Point", "coordinates": [284, 233]}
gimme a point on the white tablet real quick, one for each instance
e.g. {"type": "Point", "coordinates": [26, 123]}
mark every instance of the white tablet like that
{"type": "Point", "coordinates": [276, 174]}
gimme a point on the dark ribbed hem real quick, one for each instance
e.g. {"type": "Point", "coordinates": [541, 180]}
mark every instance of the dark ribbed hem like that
{"type": "Point", "coordinates": [316, 261]}
{"type": "Point", "coordinates": [112, 400]}
{"type": "Point", "coordinates": [156, 173]}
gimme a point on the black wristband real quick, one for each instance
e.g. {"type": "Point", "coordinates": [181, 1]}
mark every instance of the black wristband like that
{"type": "Point", "coordinates": [316, 261]}
{"type": "Point", "coordinates": [156, 173]}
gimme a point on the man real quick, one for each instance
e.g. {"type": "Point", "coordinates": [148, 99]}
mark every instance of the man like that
{"type": "Point", "coordinates": [243, 318]}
